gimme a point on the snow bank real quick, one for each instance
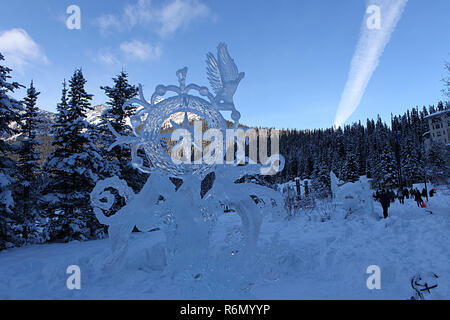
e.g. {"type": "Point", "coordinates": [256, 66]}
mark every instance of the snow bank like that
{"type": "Point", "coordinates": [295, 259]}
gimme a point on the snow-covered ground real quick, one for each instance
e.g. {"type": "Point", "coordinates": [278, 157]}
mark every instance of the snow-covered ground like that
{"type": "Point", "coordinates": [301, 258]}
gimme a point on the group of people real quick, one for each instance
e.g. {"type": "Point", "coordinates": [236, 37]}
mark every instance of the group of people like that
{"type": "Point", "coordinates": [387, 196]}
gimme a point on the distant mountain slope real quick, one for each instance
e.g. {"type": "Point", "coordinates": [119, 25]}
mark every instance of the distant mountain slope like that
{"type": "Point", "coordinates": [47, 119]}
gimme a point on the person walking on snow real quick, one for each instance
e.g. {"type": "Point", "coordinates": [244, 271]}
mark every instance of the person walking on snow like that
{"type": "Point", "coordinates": [424, 192]}
{"type": "Point", "coordinates": [385, 201]}
{"type": "Point", "coordinates": [400, 196]}
{"type": "Point", "coordinates": [418, 198]}
{"type": "Point", "coordinates": [392, 196]}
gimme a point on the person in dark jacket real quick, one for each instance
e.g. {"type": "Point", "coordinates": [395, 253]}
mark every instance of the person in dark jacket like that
{"type": "Point", "coordinates": [392, 195]}
{"type": "Point", "coordinates": [424, 192]}
{"type": "Point", "coordinates": [400, 196]}
{"type": "Point", "coordinates": [385, 201]}
{"type": "Point", "coordinates": [406, 193]}
{"type": "Point", "coordinates": [432, 191]}
{"type": "Point", "coordinates": [418, 198]}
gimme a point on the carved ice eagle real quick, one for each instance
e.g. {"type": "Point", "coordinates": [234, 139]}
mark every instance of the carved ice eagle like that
{"type": "Point", "coordinates": [223, 75]}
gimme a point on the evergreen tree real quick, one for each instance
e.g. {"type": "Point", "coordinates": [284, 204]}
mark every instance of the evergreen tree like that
{"type": "Point", "coordinates": [338, 151]}
{"type": "Point", "coordinates": [385, 173]}
{"type": "Point", "coordinates": [120, 93]}
{"type": "Point", "coordinates": [436, 169]}
{"type": "Point", "coordinates": [371, 146]}
{"type": "Point", "coordinates": [27, 189]}
{"type": "Point", "coordinates": [9, 112]}
{"type": "Point", "coordinates": [412, 168]}
{"type": "Point", "coordinates": [120, 156]}
{"type": "Point", "coordinates": [74, 167]}
{"type": "Point", "coordinates": [350, 170]}
{"type": "Point", "coordinates": [321, 184]}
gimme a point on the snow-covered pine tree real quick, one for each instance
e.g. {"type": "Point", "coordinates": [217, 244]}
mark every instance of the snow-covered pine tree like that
{"type": "Point", "coordinates": [118, 95]}
{"type": "Point", "coordinates": [27, 190]}
{"type": "Point", "coordinates": [371, 147]}
{"type": "Point", "coordinates": [338, 151]}
{"type": "Point", "coordinates": [320, 181]}
{"type": "Point", "coordinates": [385, 173]}
{"type": "Point", "coordinates": [9, 112]}
{"type": "Point", "coordinates": [74, 167]}
{"type": "Point", "coordinates": [350, 170]}
{"type": "Point", "coordinates": [437, 170]}
{"type": "Point", "coordinates": [120, 156]}
{"type": "Point", "coordinates": [361, 150]}
{"type": "Point", "coordinates": [423, 114]}
{"type": "Point", "coordinates": [412, 167]}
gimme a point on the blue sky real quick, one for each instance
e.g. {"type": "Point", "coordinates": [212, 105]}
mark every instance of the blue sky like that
{"type": "Point", "coordinates": [296, 54]}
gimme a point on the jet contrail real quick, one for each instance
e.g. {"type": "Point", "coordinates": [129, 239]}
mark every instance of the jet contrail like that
{"type": "Point", "coordinates": [370, 47]}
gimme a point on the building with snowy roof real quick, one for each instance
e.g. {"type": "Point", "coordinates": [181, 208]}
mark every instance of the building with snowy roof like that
{"type": "Point", "coordinates": [439, 124]}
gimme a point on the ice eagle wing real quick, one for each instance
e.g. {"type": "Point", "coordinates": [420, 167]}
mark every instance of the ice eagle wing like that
{"type": "Point", "coordinates": [213, 73]}
{"type": "Point", "coordinates": [227, 67]}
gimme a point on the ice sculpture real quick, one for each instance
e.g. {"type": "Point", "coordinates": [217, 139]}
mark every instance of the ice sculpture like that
{"type": "Point", "coordinates": [185, 217]}
{"type": "Point", "coordinates": [425, 286]}
{"type": "Point", "coordinates": [224, 78]}
{"type": "Point", "coordinates": [352, 197]}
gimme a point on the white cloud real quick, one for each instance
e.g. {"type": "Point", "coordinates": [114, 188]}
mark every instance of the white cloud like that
{"type": "Point", "coordinates": [136, 50]}
{"type": "Point", "coordinates": [180, 13]}
{"type": "Point", "coordinates": [166, 19]}
{"type": "Point", "coordinates": [139, 13]}
{"type": "Point", "coordinates": [107, 21]}
{"type": "Point", "coordinates": [370, 47]}
{"type": "Point", "coordinates": [106, 57]}
{"type": "Point", "coordinates": [20, 50]}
